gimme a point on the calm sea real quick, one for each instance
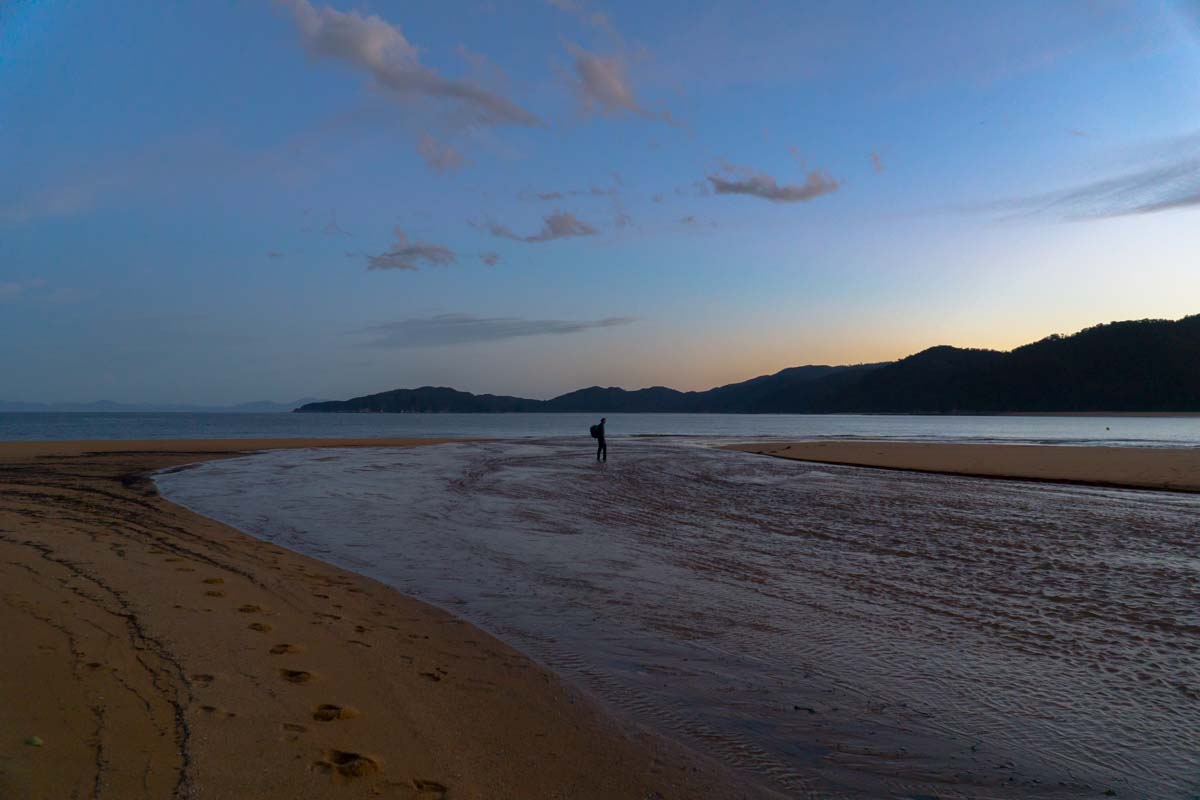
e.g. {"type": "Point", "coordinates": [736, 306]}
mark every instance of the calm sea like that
{"type": "Point", "coordinates": [1121, 431]}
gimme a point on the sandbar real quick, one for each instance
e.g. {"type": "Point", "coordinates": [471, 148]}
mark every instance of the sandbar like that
{"type": "Point", "coordinates": [1162, 469]}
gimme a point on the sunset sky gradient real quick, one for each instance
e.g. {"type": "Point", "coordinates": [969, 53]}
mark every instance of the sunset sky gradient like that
{"type": "Point", "coordinates": [216, 202]}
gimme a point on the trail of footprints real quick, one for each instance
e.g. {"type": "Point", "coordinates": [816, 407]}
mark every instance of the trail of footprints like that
{"type": "Point", "coordinates": [339, 764]}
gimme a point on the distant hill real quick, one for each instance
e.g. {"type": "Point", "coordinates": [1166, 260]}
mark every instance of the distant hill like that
{"type": "Point", "coordinates": [107, 406]}
{"type": "Point", "coordinates": [1143, 365]}
{"type": "Point", "coordinates": [1147, 365]}
{"type": "Point", "coordinates": [426, 400]}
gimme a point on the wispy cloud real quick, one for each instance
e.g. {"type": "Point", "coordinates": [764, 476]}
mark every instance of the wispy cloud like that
{"type": "Point", "coordinates": [591, 191]}
{"type": "Point", "coordinates": [1078, 133]}
{"type": "Point", "coordinates": [602, 85]}
{"type": "Point", "coordinates": [877, 162]}
{"type": "Point", "coordinates": [407, 254]}
{"type": "Point", "coordinates": [438, 156]}
{"type": "Point", "coordinates": [275, 254]}
{"type": "Point", "coordinates": [451, 329]}
{"type": "Point", "coordinates": [560, 225]}
{"type": "Point", "coordinates": [491, 258]}
{"type": "Point", "coordinates": [1168, 180]}
{"type": "Point", "coordinates": [741, 180]}
{"type": "Point", "coordinates": [526, 194]}
{"type": "Point", "coordinates": [379, 48]}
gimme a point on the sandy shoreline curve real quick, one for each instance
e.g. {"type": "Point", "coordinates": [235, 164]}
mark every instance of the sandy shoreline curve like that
{"type": "Point", "coordinates": [150, 652]}
{"type": "Point", "coordinates": [1162, 469]}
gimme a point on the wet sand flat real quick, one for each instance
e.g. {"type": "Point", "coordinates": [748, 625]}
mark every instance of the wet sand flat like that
{"type": "Point", "coordinates": [1163, 469]}
{"type": "Point", "coordinates": [833, 631]}
{"type": "Point", "coordinates": [149, 652]}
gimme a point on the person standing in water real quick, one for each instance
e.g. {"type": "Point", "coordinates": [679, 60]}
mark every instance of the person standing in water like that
{"type": "Point", "coordinates": [598, 435]}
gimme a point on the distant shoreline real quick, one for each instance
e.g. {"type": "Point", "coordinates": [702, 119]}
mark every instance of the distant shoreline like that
{"type": "Point", "coordinates": [1157, 469]}
{"type": "Point", "coordinates": [603, 412]}
{"type": "Point", "coordinates": [1181, 414]}
{"type": "Point", "coordinates": [1114, 414]}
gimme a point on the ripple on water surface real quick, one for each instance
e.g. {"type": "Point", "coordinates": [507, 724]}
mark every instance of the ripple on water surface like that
{"type": "Point", "coordinates": [836, 631]}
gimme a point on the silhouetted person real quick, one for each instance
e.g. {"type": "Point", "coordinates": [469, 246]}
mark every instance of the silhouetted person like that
{"type": "Point", "coordinates": [598, 435]}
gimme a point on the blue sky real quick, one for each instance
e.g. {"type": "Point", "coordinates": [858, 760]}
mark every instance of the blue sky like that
{"type": "Point", "coordinates": [224, 201]}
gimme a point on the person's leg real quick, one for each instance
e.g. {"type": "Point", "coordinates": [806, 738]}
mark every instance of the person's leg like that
{"type": "Point", "coordinates": [599, 447]}
{"type": "Point", "coordinates": [604, 446]}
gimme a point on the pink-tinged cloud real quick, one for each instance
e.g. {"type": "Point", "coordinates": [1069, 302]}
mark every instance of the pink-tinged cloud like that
{"type": "Point", "coordinates": [560, 225]}
{"type": "Point", "coordinates": [759, 184]}
{"type": "Point", "coordinates": [438, 156]}
{"type": "Point", "coordinates": [379, 48]}
{"type": "Point", "coordinates": [453, 329]}
{"type": "Point", "coordinates": [877, 162]}
{"type": "Point", "coordinates": [602, 85]}
{"type": "Point", "coordinates": [407, 254]}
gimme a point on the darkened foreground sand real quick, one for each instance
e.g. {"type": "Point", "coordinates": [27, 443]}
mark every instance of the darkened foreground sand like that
{"type": "Point", "coordinates": [1176, 469]}
{"type": "Point", "coordinates": [155, 653]}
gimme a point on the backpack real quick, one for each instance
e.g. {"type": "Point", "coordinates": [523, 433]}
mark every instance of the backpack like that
{"type": "Point", "coordinates": [595, 430]}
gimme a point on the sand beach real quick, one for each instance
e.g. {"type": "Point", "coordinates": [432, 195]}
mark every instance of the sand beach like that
{"type": "Point", "coordinates": [1159, 468]}
{"type": "Point", "coordinates": [153, 652]}
{"type": "Point", "coordinates": [150, 652]}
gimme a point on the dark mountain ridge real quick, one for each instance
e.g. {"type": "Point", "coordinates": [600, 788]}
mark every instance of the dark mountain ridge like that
{"type": "Point", "coordinates": [1142, 365]}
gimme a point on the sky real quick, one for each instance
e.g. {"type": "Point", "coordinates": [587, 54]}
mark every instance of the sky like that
{"type": "Point", "coordinates": [222, 201]}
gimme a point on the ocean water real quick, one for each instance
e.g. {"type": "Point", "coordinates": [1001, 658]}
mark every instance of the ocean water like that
{"type": "Point", "coordinates": [832, 632]}
{"type": "Point", "coordinates": [1121, 431]}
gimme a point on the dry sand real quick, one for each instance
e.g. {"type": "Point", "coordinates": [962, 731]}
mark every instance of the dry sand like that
{"type": "Point", "coordinates": [155, 653]}
{"type": "Point", "coordinates": [1175, 469]}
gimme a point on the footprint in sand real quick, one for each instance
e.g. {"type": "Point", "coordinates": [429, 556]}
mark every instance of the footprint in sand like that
{"type": "Point", "coordinates": [173, 558]}
{"type": "Point", "coordinates": [294, 728]}
{"type": "Point", "coordinates": [214, 593]}
{"type": "Point", "coordinates": [433, 789]}
{"type": "Point", "coordinates": [261, 627]}
{"type": "Point", "coordinates": [250, 608]}
{"type": "Point", "coordinates": [281, 649]}
{"type": "Point", "coordinates": [215, 710]}
{"type": "Point", "coordinates": [431, 676]}
{"type": "Point", "coordinates": [328, 712]}
{"type": "Point", "coordinates": [347, 764]}
{"type": "Point", "coordinates": [214, 581]}
{"type": "Point", "coordinates": [202, 680]}
{"type": "Point", "coordinates": [296, 675]}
